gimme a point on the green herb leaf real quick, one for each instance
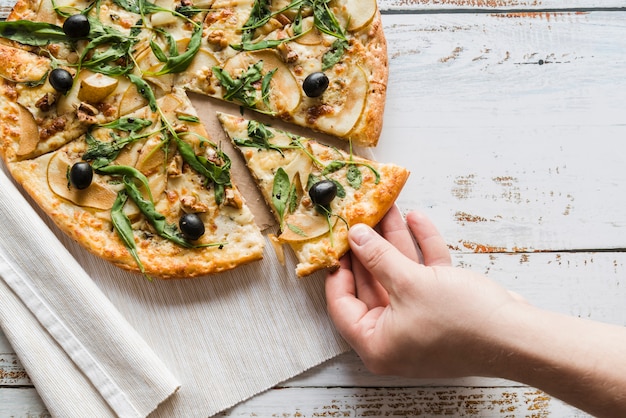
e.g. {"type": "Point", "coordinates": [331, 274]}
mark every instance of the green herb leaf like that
{"type": "Point", "coordinates": [280, 193]}
{"type": "Point", "coordinates": [333, 166]}
{"type": "Point", "coordinates": [293, 198]}
{"type": "Point", "coordinates": [242, 89]}
{"type": "Point", "coordinates": [341, 191]}
{"type": "Point", "coordinates": [127, 171]}
{"type": "Point", "coordinates": [32, 33]}
{"type": "Point", "coordinates": [103, 153]}
{"type": "Point", "coordinates": [189, 118]}
{"type": "Point", "coordinates": [296, 230]}
{"type": "Point", "coordinates": [144, 89]}
{"type": "Point", "coordinates": [219, 175]}
{"type": "Point", "coordinates": [123, 227]}
{"type": "Point", "coordinates": [354, 176]}
{"type": "Point", "coordinates": [128, 124]}
{"type": "Point", "coordinates": [334, 54]}
{"type": "Point", "coordinates": [156, 219]}
{"type": "Point", "coordinates": [311, 180]}
{"type": "Point", "coordinates": [178, 63]}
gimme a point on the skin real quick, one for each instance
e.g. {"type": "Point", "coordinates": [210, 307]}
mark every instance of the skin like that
{"type": "Point", "coordinates": [406, 311]}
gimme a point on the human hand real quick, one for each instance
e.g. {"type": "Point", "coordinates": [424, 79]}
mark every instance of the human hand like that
{"type": "Point", "coordinates": [405, 310]}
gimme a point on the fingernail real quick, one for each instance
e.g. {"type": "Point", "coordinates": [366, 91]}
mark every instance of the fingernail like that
{"type": "Point", "coordinates": [360, 234]}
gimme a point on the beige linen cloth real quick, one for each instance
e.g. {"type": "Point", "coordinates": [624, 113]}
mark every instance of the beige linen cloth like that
{"type": "Point", "coordinates": [99, 341]}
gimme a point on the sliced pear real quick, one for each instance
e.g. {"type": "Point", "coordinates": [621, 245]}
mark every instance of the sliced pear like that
{"type": "Point", "coordinates": [299, 168]}
{"type": "Point", "coordinates": [69, 102]}
{"type": "Point", "coordinates": [203, 4]}
{"type": "Point", "coordinates": [29, 133]}
{"type": "Point", "coordinates": [149, 63]}
{"type": "Point", "coordinates": [170, 106]}
{"type": "Point", "coordinates": [157, 183]}
{"type": "Point", "coordinates": [360, 13]}
{"type": "Point", "coordinates": [346, 97]}
{"type": "Point", "coordinates": [131, 101]}
{"type": "Point", "coordinates": [202, 63]}
{"type": "Point", "coordinates": [304, 226]}
{"type": "Point", "coordinates": [99, 195]}
{"type": "Point", "coordinates": [96, 87]}
{"type": "Point", "coordinates": [284, 90]}
{"type": "Point", "coordinates": [162, 18]}
{"type": "Point", "coordinates": [151, 157]}
{"type": "Point", "coordinates": [312, 35]}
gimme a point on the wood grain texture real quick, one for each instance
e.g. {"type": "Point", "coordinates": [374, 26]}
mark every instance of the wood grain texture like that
{"type": "Point", "coordinates": [513, 126]}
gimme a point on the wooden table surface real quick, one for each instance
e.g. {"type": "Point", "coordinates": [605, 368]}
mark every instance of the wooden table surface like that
{"type": "Point", "coordinates": [511, 115]}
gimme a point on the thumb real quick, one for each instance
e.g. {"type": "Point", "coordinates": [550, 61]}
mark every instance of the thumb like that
{"type": "Point", "coordinates": [384, 261]}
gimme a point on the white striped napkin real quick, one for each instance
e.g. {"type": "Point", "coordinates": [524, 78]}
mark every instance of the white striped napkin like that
{"type": "Point", "coordinates": [226, 338]}
{"type": "Point", "coordinates": [72, 341]}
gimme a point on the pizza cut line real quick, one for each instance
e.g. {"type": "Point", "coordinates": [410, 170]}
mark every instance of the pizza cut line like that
{"type": "Point", "coordinates": [97, 128]}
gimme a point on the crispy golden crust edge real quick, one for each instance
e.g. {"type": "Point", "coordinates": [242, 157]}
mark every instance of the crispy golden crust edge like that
{"type": "Point", "coordinates": [161, 259]}
{"type": "Point", "coordinates": [381, 199]}
{"type": "Point", "coordinates": [368, 128]}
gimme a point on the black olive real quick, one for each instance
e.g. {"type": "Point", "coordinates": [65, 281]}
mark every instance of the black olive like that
{"type": "Point", "coordinates": [61, 80]}
{"type": "Point", "coordinates": [191, 226]}
{"type": "Point", "coordinates": [77, 26]}
{"type": "Point", "coordinates": [323, 192]}
{"type": "Point", "coordinates": [81, 175]}
{"type": "Point", "coordinates": [315, 84]}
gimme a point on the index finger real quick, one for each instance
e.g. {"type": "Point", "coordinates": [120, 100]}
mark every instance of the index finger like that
{"type": "Point", "coordinates": [394, 229]}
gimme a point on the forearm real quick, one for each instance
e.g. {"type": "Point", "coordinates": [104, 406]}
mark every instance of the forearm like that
{"type": "Point", "coordinates": [580, 362]}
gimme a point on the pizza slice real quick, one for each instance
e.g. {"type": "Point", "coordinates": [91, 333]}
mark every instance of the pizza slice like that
{"type": "Point", "coordinates": [149, 192]}
{"type": "Point", "coordinates": [320, 64]}
{"type": "Point", "coordinates": [315, 191]}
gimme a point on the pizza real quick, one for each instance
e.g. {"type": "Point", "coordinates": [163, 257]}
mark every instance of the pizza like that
{"type": "Point", "coordinates": [97, 126]}
{"type": "Point", "coordinates": [315, 191]}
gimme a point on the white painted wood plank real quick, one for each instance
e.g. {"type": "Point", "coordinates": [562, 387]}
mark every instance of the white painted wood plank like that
{"type": "Point", "coordinates": [21, 403]}
{"type": "Point", "coordinates": [452, 5]}
{"type": "Point", "coordinates": [507, 154]}
{"type": "Point", "coordinates": [11, 371]}
{"type": "Point", "coordinates": [408, 402]}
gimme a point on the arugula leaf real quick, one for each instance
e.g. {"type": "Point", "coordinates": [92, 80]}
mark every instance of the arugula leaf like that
{"type": "Point", "coordinates": [354, 176]}
{"type": "Point", "coordinates": [145, 90]}
{"type": "Point", "coordinates": [128, 124]}
{"type": "Point", "coordinates": [280, 193]}
{"type": "Point", "coordinates": [341, 191]}
{"type": "Point", "coordinates": [156, 219]}
{"type": "Point", "coordinates": [123, 227]}
{"type": "Point", "coordinates": [259, 14]}
{"type": "Point", "coordinates": [325, 19]}
{"type": "Point", "coordinates": [333, 166]}
{"type": "Point", "coordinates": [188, 11]}
{"type": "Point", "coordinates": [140, 7]}
{"type": "Point", "coordinates": [218, 174]}
{"type": "Point", "coordinates": [103, 153]}
{"type": "Point", "coordinates": [296, 230]}
{"type": "Point", "coordinates": [127, 171]}
{"type": "Point", "coordinates": [189, 118]}
{"type": "Point", "coordinates": [242, 89]}
{"type": "Point", "coordinates": [177, 63]}
{"type": "Point", "coordinates": [32, 33]}
{"type": "Point", "coordinates": [334, 54]}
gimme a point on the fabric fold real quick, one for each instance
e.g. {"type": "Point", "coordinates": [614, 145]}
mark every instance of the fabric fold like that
{"type": "Point", "coordinates": [64, 315]}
